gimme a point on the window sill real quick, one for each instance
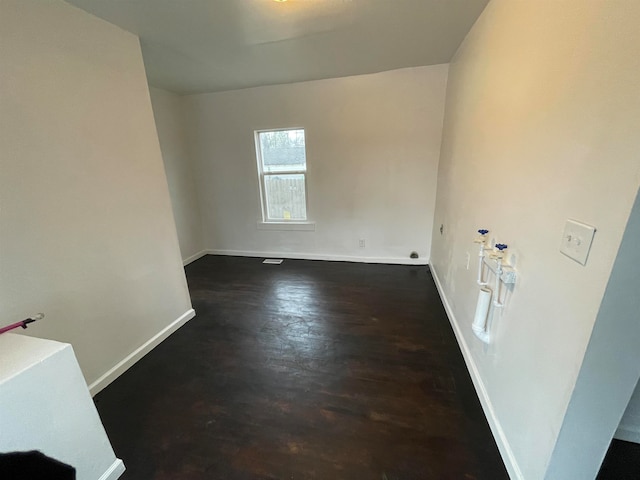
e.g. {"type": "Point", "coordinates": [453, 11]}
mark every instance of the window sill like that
{"type": "Point", "coordinates": [288, 226]}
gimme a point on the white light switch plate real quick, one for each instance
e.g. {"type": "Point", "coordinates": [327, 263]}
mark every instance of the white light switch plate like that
{"type": "Point", "coordinates": [576, 240]}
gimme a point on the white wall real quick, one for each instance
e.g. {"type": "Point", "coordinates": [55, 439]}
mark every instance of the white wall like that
{"type": "Point", "coordinates": [171, 124]}
{"type": "Point", "coordinates": [609, 371]}
{"type": "Point", "coordinates": [541, 125]}
{"type": "Point", "coordinates": [373, 143]}
{"type": "Point", "coordinates": [86, 230]}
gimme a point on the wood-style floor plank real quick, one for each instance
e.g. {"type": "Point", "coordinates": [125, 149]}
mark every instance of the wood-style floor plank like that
{"type": "Point", "coordinates": [305, 370]}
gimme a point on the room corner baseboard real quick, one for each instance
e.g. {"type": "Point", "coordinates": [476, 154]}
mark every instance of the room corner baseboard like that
{"type": "Point", "coordinates": [194, 257]}
{"type": "Point", "coordinates": [628, 434]}
{"type": "Point", "coordinates": [114, 471]}
{"type": "Point", "coordinates": [500, 437]}
{"type": "Point", "coordinates": [122, 366]}
{"type": "Point", "coordinates": [317, 256]}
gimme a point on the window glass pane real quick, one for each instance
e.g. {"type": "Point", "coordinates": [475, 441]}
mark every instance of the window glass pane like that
{"type": "Point", "coordinates": [282, 150]}
{"type": "Point", "coordinates": [285, 197]}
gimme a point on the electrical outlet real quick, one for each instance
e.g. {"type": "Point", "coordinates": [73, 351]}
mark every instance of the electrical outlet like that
{"type": "Point", "coordinates": [362, 243]}
{"type": "Point", "coordinates": [576, 240]}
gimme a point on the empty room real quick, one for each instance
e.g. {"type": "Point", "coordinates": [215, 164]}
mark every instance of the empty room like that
{"type": "Point", "coordinates": [319, 239]}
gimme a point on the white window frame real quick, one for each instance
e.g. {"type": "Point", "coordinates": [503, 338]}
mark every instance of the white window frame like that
{"type": "Point", "coordinates": [280, 224]}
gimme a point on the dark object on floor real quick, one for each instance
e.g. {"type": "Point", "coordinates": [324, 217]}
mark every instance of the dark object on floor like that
{"type": "Point", "coordinates": [311, 370]}
{"type": "Point", "coordinates": [33, 465]}
{"type": "Point", "coordinates": [622, 462]}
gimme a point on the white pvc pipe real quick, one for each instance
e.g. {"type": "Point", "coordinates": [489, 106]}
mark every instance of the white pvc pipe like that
{"type": "Point", "coordinates": [479, 325]}
{"type": "Point", "coordinates": [481, 265]}
{"type": "Point", "coordinates": [496, 300]}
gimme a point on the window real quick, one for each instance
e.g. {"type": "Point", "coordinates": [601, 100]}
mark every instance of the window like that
{"type": "Point", "coordinates": [282, 167]}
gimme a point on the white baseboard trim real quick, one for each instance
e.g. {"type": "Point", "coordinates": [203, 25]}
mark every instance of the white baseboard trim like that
{"type": "Point", "coordinates": [193, 257]}
{"type": "Point", "coordinates": [628, 434]}
{"type": "Point", "coordinates": [122, 366]}
{"type": "Point", "coordinates": [496, 428]}
{"type": "Point", "coordinates": [114, 471]}
{"type": "Point", "coordinates": [318, 256]}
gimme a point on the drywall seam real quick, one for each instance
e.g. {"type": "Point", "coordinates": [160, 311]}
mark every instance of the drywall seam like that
{"type": "Point", "coordinates": [116, 469]}
{"type": "Point", "coordinates": [317, 256]}
{"type": "Point", "coordinates": [494, 423]}
{"type": "Point", "coordinates": [194, 257]}
{"type": "Point", "coordinates": [127, 362]}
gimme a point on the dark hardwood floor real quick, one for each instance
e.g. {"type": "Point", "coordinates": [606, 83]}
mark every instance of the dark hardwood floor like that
{"type": "Point", "coordinates": [306, 370]}
{"type": "Point", "coordinates": [622, 462]}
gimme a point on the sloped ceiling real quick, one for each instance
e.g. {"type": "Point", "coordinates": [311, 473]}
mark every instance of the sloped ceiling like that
{"type": "Point", "coordinates": [194, 46]}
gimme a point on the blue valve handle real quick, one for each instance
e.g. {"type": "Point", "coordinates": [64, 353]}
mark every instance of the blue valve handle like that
{"type": "Point", "coordinates": [483, 231]}
{"type": "Point", "coordinates": [501, 246]}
